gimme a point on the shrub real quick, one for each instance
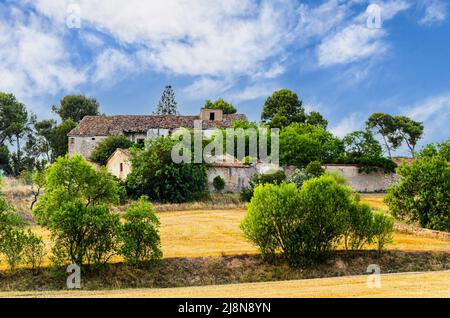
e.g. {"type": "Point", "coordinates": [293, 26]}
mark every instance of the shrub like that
{"type": "Point", "coordinates": [271, 218]}
{"type": "Point", "coordinates": [155, 175]}
{"type": "Point", "coordinates": [140, 234]}
{"type": "Point", "coordinates": [219, 183]}
{"type": "Point", "coordinates": [315, 168]}
{"type": "Point", "coordinates": [106, 147]}
{"type": "Point", "coordinates": [360, 227]}
{"type": "Point", "coordinates": [382, 228]}
{"type": "Point", "coordinates": [84, 235]}
{"type": "Point", "coordinates": [276, 177]}
{"type": "Point", "coordinates": [312, 170]}
{"type": "Point", "coordinates": [12, 246]}
{"type": "Point", "coordinates": [34, 251]}
{"type": "Point", "coordinates": [422, 194]}
{"type": "Point", "coordinates": [74, 180]}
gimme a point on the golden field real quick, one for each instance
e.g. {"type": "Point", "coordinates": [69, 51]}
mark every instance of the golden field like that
{"type": "Point", "coordinates": [433, 284]}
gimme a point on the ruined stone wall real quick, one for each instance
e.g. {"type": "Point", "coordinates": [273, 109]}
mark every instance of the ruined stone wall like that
{"type": "Point", "coordinates": [83, 145]}
{"type": "Point", "coordinates": [236, 178]}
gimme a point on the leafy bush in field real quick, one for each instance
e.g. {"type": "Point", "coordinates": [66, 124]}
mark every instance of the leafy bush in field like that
{"type": "Point", "coordinates": [84, 235]}
{"type": "Point", "coordinates": [140, 234]}
{"type": "Point", "coordinates": [106, 147]}
{"type": "Point", "coordinates": [423, 193]}
{"type": "Point", "coordinates": [307, 224]}
{"type": "Point", "coordinates": [219, 183]}
{"type": "Point", "coordinates": [382, 228]}
{"type": "Point", "coordinates": [271, 178]}
{"type": "Point", "coordinates": [272, 218]}
{"type": "Point", "coordinates": [360, 227]}
{"type": "Point", "coordinates": [155, 175]}
{"type": "Point", "coordinates": [34, 251]}
{"type": "Point", "coordinates": [12, 246]}
{"type": "Point", "coordinates": [74, 180]}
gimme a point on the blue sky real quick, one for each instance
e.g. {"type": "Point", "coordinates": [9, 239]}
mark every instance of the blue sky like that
{"type": "Point", "coordinates": [124, 53]}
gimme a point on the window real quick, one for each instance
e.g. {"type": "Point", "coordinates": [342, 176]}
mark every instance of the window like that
{"type": "Point", "coordinates": [72, 141]}
{"type": "Point", "coordinates": [121, 167]}
{"type": "Point", "coordinates": [212, 116]}
{"type": "Point", "coordinates": [93, 138]}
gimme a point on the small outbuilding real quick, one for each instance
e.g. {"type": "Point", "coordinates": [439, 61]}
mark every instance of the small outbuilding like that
{"type": "Point", "coordinates": [119, 164]}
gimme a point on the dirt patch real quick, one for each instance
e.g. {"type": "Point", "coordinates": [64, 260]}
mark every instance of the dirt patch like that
{"type": "Point", "coordinates": [184, 272]}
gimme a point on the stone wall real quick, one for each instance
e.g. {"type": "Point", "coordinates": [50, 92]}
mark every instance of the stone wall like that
{"type": "Point", "coordinates": [236, 178]}
{"type": "Point", "coordinates": [360, 182]}
{"type": "Point", "coordinates": [83, 145]}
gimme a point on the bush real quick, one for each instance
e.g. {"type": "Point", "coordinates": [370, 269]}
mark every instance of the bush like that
{"type": "Point", "coordinates": [277, 177]}
{"type": "Point", "coordinates": [271, 219]}
{"type": "Point", "coordinates": [106, 147]}
{"type": "Point", "coordinates": [34, 251]}
{"type": "Point", "coordinates": [315, 169]}
{"type": "Point", "coordinates": [155, 175]}
{"type": "Point", "coordinates": [422, 194]}
{"type": "Point", "coordinates": [12, 246]}
{"type": "Point", "coordinates": [219, 183]}
{"type": "Point", "coordinates": [74, 180]}
{"type": "Point", "coordinates": [382, 228]}
{"type": "Point", "coordinates": [84, 235]}
{"type": "Point", "coordinates": [360, 227]}
{"type": "Point", "coordinates": [312, 170]}
{"type": "Point", "coordinates": [306, 225]}
{"type": "Point", "coordinates": [140, 234]}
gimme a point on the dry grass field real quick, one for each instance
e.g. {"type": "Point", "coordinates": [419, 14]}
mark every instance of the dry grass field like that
{"type": "Point", "coordinates": [435, 284]}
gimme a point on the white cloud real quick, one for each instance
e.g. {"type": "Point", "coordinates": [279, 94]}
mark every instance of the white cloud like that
{"type": "Point", "coordinates": [33, 59]}
{"type": "Point", "coordinates": [347, 125]}
{"type": "Point", "coordinates": [113, 65]}
{"type": "Point", "coordinates": [207, 88]}
{"type": "Point", "coordinates": [435, 12]}
{"type": "Point", "coordinates": [252, 92]}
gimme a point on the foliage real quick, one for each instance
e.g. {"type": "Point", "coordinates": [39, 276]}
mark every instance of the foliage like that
{"type": "Point", "coordinates": [410, 131]}
{"type": "Point", "coordinates": [140, 234]}
{"type": "Point", "coordinates": [360, 227]}
{"type": "Point", "coordinates": [422, 194]}
{"type": "Point", "coordinates": [12, 246]}
{"type": "Point", "coordinates": [307, 224]}
{"type": "Point", "coordinates": [282, 109]}
{"type": "Point", "coordinates": [382, 228]}
{"type": "Point", "coordinates": [272, 217]}
{"type": "Point", "coordinates": [362, 144]}
{"type": "Point", "coordinates": [220, 104]}
{"type": "Point", "coordinates": [156, 175]}
{"type": "Point", "coordinates": [312, 170]}
{"type": "Point", "coordinates": [276, 177]}
{"type": "Point", "coordinates": [4, 158]}
{"type": "Point", "coordinates": [34, 251]}
{"type": "Point", "coordinates": [106, 147]}
{"type": "Point", "coordinates": [84, 235]}
{"type": "Point", "coordinates": [316, 119]}
{"type": "Point", "coordinates": [167, 104]}
{"type": "Point", "coordinates": [219, 183]}
{"type": "Point", "coordinates": [440, 149]}
{"type": "Point", "coordinates": [74, 180]}
{"type": "Point", "coordinates": [76, 107]}
{"type": "Point", "coordinates": [300, 144]}
{"type": "Point", "coordinates": [60, 139]}
{"type": "Point", "coordinates": [315, 168]}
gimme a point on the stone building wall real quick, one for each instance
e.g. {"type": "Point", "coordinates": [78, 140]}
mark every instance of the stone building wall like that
{"type": "Point", "coordinates": [83, 145]}
{"type": "Point", "coordinates": [236, 177]}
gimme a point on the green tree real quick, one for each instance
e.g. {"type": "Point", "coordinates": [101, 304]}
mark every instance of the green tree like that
{"type": "Point", "coordinates": [14, 126]}
{"type": "Point", "coordinates": [74, 180]}
{"type": "Point", "coordinates": [440, 149]}
{"type": "Point", "coordinates": [316, 119]}
{"type": "Point", "coordinates": [410, 131]}
{"type": "Point", "coordinates": [108, 146]}
{"type": "Point", "coordinates": [76, 107]}
{"type": "Point", "coordinates": [4, 158]}
{"type": "Point", "coordinates": [282, 109]}
{"type": "Point", "coordinates": [140, 234]}
{"type": "Point", "coordinates": [156, 175]}
{"type": "Point", "coordinates": [300, 144]}
{"type": "Point", "coordinates": [60, 140]}
{"type": "Point", "coordinates": [220, 104]}
{"type": "Point", "coordinates": [167, 104]}
{"type": "Point", "coordinates": [382, 228]}
{"type": "Point", "coordinates": [386, 126]}
{"type": "Point", "coordinates": [219, 183]}
{"type": "Point", "coordinates": [84, 235]}
{"type": "Point", "coordinates": [422, 194]}
{"type": "Point", "coordinates": [362, 144]}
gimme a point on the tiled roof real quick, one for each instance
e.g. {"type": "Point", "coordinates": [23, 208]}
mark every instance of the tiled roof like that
{"type": "Point", "coordinates": [111, 125]}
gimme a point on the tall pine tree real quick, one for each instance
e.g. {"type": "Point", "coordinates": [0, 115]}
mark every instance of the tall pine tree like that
{"type": "Point", "coordinates": [167, 105]}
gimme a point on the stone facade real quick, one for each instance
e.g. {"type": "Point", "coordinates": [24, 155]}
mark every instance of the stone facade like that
{"type": "Point", "coordinates": [119, 164]}
{"type": "Point", "coordinates": [83, 145]}
{"type": "Point", "coordinates": [236, 178]}
{"type": "Point", "coordinates": [360, 182]}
